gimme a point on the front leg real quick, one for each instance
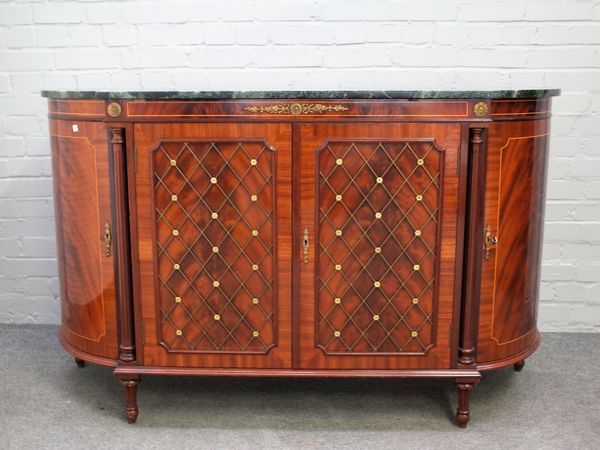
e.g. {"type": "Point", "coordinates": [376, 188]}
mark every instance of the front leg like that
{"type": "Point", "coordinates": [519, 365]}
{"type": "Point", "coordinates": [464, 398]}
{"type": "Point", "coordinates": [130, 385]}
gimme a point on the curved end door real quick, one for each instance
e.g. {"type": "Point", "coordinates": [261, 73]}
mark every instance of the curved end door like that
{"type": "Point", "coordinates": [83, 213]}
{"type": "Point", "coordinates": [514, 213]}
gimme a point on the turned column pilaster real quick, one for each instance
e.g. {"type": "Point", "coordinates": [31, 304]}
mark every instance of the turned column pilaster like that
{"type": "Point", "coordinates": [473, 252]}
{"type": "Point", "coordinates": [121, 238]}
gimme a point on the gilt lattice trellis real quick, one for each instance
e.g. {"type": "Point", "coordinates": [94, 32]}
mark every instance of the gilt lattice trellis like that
{"type": "Point", "coordinates": [378, 222]}
{"type": "Point", "coordinates": [214, 235]}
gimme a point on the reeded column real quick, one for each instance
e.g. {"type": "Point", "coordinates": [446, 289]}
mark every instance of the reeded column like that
{"type": "Point", "coordinates": [122, 261]}
{"type": "Point", "coordinates": [468, 331]}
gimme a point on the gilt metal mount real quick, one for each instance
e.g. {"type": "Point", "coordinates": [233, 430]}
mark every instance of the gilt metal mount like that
{"type": "Point", "coordinates": [296, 108]}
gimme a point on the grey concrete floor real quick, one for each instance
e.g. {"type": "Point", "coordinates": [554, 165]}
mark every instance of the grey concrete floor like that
{"type": "Point", "coordinates": [47, 402]}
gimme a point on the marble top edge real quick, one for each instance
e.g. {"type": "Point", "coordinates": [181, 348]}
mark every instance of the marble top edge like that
{"type": "Point", "coordinates": [282, 95]}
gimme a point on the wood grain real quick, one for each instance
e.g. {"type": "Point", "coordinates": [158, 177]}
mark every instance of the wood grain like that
{"type": "Point", "coordinates": [122, 248]}
{"type": "Point", "coordinates": [162, 345]}
{"type": "Point", "coordinates": [472, 256]}
{"type": "Point", "coordinates": [515, 199]}
{"type": "Point", "coordinates": [83, 207]}
{"type": "Point", "coordinates": [424, 110]}
{"type": "Point", "coordinates": [437, 353]}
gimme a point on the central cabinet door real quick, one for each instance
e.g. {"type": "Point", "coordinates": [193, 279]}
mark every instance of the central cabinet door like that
{"type": "Point", "coordinates": [376, 243]}
{"type": "Point", "coordinates": [214, 243]}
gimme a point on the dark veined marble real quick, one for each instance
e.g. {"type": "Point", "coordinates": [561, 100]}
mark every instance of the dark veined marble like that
{"type": "Point", "coordinates": [350, 95]}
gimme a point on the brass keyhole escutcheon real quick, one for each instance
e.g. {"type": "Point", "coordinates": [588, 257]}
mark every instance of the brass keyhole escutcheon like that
{"type": "Point", "coordinates": [489, 240]}
{"type": "Point", "coordinates": [305, 245]}
{"type": "Point", "coordinates": [107, 239]}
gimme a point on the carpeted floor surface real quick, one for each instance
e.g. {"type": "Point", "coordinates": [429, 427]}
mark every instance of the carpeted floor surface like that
{"type": "Point", "coordinates": [47, 402]}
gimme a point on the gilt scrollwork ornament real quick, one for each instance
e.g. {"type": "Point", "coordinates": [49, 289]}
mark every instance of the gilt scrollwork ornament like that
{"type": "Point", "coordinates": [296, 108]}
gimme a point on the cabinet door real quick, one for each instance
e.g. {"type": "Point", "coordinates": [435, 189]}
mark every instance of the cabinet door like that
{"type": "Point", "coordinates": [83, 209]}
{"type": "Point", "coordinates": [214, 242]}
{"type": "Point", "coordinates": [377, 241]}
{"type": "Point", "coordinates": [514, 213]}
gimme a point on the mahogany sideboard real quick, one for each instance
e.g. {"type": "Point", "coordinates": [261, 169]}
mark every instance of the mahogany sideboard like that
{"type": "Point", "coordinates": [321, 234]}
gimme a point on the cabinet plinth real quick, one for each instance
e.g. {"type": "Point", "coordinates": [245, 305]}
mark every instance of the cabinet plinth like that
{"type": "Point", "coordinates": [300, 236]}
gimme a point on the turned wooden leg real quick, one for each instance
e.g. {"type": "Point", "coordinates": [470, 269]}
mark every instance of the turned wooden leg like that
{"type": "Point", "coordinates": [519, 365]}
{"type": "Point", "coordinates": [80, 362]}
{"type": "Point", "coordinates": [130, 388]}
{"type": "Point", "coordinates": [464, 396]}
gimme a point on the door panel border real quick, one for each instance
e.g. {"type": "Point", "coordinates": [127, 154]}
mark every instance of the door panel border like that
{"type": "Point", "coordinates": [275, 136]}
{"type": "Point", "coordinates": [449, 232]}
{"type": "Point", "coordinates": [274, 231]}
{"type": "Point", "coordinates": [442, 152]}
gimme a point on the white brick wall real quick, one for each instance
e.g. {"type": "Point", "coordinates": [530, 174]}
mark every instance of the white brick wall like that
{"type": "Point", "coordinates": [312, 44]}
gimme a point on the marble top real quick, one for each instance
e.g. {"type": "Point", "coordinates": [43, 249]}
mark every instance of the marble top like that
{"type": "Point", "coordinates": [224, 95]}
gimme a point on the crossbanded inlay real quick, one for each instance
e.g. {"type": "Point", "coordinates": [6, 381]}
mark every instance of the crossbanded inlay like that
{"type": "Point", "coordinates": [219, 198]}
{"type": "Point", "coordinates": [378, 221]}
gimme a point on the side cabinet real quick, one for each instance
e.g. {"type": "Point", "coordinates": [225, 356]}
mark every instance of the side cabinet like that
{"type": "Point", "coordinates": [377, 243]}
{"type": "Point", "coordinates": [340, 234]}
{"type": "Point", "coordinates": [83, 205]}
{"type": "Point", "coordinates": [214, 244]}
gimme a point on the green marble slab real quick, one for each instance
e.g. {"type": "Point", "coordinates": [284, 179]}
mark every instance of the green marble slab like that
{"type": "Point", "coordinates": [350, 95]}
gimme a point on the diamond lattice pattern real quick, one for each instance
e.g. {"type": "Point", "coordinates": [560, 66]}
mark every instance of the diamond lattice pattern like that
{"type": "Point", "coordinates": [214, 233]}
{"type": "Point", "coordinates": [378, 214]}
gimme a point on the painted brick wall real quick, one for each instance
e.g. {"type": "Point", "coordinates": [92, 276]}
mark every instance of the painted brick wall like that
{"type": "Point", "coordinates": [316, 44]}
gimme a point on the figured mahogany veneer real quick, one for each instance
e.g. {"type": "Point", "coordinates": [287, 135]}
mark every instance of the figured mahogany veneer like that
{"type": "Point", "coordinates": [214, 238]}
{"type": "Point", "coordinates": [380, 203]}
{"type": "Point", "coordinates": [514, 211]}
{"type": "Point", "coordinates": [83, 210]}
{"type": "Point", "coordinates": [300, 237]}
